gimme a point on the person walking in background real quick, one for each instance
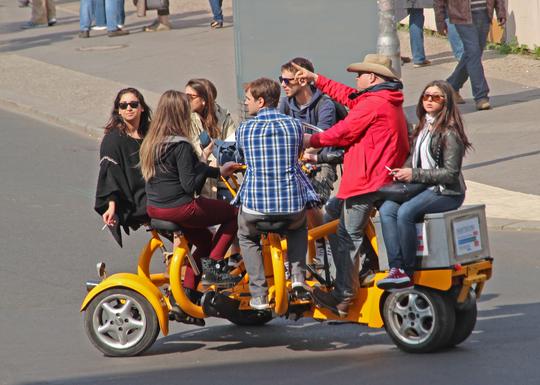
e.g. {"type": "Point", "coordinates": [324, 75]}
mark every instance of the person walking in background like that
{"type": "Point", "coordinates": [113, 14]}
{"type": "Point", "coordinates": [472, 19]}
{"type": "Point", "coordinates": [439, 144]}
{"type": "Point", "coordinates": [415, 9]}
{"type": "Point", "coordinates": [43, 14]}
{"type": "Point", "coordinates": [216, 6]}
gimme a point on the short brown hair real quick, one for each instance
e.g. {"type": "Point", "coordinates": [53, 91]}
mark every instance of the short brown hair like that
{"type": "Point", "coordinates": [265, 88]}
{"type": "Point", "coordinates": [302, 62]}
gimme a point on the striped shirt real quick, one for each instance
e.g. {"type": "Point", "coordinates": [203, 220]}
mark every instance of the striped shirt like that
{"type": "Point", "coordinates": [274, 182]}
{"type": "Point", "coordinates": [478, 5]}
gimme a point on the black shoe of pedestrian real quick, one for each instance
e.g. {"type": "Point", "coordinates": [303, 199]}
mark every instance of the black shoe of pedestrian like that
{"type": "Point", "coordinates": [51, 22]}
{"type": "Point", "coordinates": [118, 32]}
{"type": "Point", "coordinates": [217, 273]}
{"type": "Point", "coordinates": [84, 34]}
{"type": "Point", "coordinates": [328, 301]}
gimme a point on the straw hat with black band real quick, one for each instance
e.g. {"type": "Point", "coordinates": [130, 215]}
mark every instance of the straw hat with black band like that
{"type": "Point", "coordinates": [374, 63]}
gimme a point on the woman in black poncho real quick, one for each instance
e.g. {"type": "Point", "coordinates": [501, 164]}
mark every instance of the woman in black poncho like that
{"type": "Point", "coordinates": [120, 194]}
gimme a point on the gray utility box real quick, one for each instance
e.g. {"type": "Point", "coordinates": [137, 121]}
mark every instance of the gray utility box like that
{"type": "Point", "coordinates": [445, 239]}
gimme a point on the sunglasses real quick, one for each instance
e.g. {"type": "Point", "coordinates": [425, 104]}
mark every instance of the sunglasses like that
{"type": "Point", "coordinates": [287, 81]}
{"type": "Point", "coordinates": [125, 105]}
{"type": "Point", "coordinates": [439, 99]}
{"type": "Point", "coordinates": [193, 96]}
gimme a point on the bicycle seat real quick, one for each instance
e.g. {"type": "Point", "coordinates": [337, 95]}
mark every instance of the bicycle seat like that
{"type": "Point", "coordinates": [278, 227]}
{"type": "Point", "coordinates": [158, 224]}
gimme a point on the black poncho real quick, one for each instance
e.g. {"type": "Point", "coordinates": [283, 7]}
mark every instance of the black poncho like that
{"type": "Point", "coordinates": [120, 179]}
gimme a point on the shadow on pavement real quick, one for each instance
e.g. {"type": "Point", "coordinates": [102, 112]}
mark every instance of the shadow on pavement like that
{"type": "Point", "coordinates": [496, 101]}
{"type": "Point", "coordinates": [479, 356]}
{"type": "Point", "coordinates": [499, 160]}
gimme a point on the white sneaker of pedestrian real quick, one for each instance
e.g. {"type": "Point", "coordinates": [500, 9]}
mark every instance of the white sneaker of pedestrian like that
{"type": "Point", "coordinates": [99, 28]}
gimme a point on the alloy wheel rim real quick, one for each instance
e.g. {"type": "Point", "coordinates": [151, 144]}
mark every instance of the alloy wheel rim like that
{"type": "Point", "coordinates": [412, 317]}
{"type": "Point", "coordinates": [119, 321]}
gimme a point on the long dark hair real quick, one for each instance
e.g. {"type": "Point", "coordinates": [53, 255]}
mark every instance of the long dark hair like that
{"type": "Point", "coordinates": [172, 118]}
{"type": "Point", "coordinates": [116, 122]}
{"type": "Point", "coordinates": [448, 118]}
{"type": "Point", "coordinates": [208, 92]}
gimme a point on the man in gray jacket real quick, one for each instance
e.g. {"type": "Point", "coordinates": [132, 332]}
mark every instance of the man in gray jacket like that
{"type": "Point", "coordinates": [473, 20]}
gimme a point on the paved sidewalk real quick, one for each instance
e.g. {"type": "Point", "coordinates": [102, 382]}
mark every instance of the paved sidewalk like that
{"type": "Point", "coordinates": [51, 74]}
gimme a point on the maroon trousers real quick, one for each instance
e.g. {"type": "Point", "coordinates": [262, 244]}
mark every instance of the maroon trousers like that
{"type": "Point", "coordinates": [194, 218]}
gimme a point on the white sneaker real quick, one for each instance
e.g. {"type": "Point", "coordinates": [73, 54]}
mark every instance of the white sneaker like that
{"type": "Point", "coordinates": [98, 28]}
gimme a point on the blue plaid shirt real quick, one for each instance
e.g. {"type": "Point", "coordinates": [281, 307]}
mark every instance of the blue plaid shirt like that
{"type": "Point", "coordinates": [274, 182]}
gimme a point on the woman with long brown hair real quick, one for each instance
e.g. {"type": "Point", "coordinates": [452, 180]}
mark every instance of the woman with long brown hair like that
{"type": "Point", "coordinates": [120, 193]}
{"type": "Point", "coordinates": [174, 176]}
{"type": "Point", "coordinates": [208, 116]}
{"type": "Point", "coordinates": [438, 146]}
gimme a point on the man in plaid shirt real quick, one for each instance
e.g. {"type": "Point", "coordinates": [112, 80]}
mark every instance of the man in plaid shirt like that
{"type": "Point", "coordinates": [274, 188]}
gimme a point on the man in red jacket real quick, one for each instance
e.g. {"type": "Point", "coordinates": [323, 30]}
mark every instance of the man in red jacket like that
{"type": "Point", "coordinates": [374, 135]}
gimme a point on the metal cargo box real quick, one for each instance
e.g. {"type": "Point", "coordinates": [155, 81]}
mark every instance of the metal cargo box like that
{"type": "Point", "coordinates": [446, 239]}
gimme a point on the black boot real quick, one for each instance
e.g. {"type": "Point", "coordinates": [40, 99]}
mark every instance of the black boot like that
{"type": "Point", "coordinates": [217, 273]}
{"type": "Point", "coordinates": [179, 315]}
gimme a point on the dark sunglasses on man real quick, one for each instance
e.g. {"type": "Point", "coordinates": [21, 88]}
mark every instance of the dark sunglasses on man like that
{"type": "Point", "coordinates": [286, 81]}
{"type": "Point", "coordinates": [125, 105]}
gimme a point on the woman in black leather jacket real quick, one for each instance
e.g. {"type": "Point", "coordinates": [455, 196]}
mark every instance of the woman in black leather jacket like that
{"type": "Point", "coordinates": [438, 146]}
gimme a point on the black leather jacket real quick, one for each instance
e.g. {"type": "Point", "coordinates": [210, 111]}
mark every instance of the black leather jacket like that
{"type": "Point", "coordinates": [448, 150]}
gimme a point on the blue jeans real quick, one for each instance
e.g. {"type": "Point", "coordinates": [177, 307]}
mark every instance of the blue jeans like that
{"type": "Point", "coordinates": [86, 15]}
{"type": "Point", "coordinates": [416, 34]}
{"type": "Point", "coordinates": [216, 10]}
{"type": "Point", "coordinates": [474, 38]}
{"type": "Point", "coordinates": [112, 13]}
{"type": "Point", "coordinates": [399, 225]}
{"type": "Point", "coordinates": [454, 40]}
{"type": "Point", "coordinates": [99, 13]}
{"type": "Point", "coordinates": [352, 245]}
{"type": "Point", "coordinates": [121, 12]}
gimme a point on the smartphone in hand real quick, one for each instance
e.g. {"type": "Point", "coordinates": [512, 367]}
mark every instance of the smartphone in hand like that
{"type": "Point", "coordinates": [205, 139]}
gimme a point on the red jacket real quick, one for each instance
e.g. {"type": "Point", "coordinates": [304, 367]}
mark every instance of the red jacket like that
{"type": "Point", "coordinates": [374, 135]}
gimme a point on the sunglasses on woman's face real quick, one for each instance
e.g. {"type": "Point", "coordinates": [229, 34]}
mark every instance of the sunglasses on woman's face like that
{"type": "Point", "coordinates": [435, 98]}
{"type": "Point", "coordinates": [124, 105]}
{"type": "Point", "coordinates": [192, 96]}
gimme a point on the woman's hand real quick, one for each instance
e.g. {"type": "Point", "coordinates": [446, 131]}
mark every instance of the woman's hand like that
{"type": "Point", "coordinates": [402, 174]}
{"type": "Point", "coordinates": [304, 74]}
{"type": "Point", "coordinates": [207, 151]}
{"type": "Point", "coordinates": [229, 168]}
{"type": "Point", "coordinates": [108, 216]}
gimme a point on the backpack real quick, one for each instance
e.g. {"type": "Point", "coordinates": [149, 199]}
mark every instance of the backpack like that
{"type": "Point", "coordinates": [341, 110]}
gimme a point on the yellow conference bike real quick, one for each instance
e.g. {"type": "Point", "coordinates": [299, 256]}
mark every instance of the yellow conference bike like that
{"type": "Point", "coordinates": [125, 312]}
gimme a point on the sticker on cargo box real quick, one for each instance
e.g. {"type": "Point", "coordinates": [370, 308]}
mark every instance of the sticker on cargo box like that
{"type": "Point", "coordinates": [467, 236]}
{"type": "Point", "coordinates": [421, 240]}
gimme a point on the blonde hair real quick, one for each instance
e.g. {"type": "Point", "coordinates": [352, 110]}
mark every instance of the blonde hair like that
{"type": "Point", "coordinates": [172, 118]}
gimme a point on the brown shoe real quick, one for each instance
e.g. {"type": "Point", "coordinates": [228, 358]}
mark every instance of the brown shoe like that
{"type": "Point", "coordinates": [425, 63]}
{"type": "Point", "coordinates": [483, 104]}
{"type": "Point", "coordinates": [84, 34]}
{"type": "Point", "coordinates": [157, 27]}
{"type": "Point", "coordinates": [405, 59]}
{"type": "Point", "coordinates": [458, 98]}
{"type": "Point", "coordinates": [328, 301]}
{"type": "Point", "coordinates": [118, 32]}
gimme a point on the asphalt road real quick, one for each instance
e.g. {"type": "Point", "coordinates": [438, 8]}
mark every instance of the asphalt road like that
{"type": "Point", "coordinates": [51, 240]}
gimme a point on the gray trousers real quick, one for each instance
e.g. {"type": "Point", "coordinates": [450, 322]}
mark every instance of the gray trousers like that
{"type": "Point", "coordinates": [352, 243]}
{"type": "Point", "coordinates": [250, 245]}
